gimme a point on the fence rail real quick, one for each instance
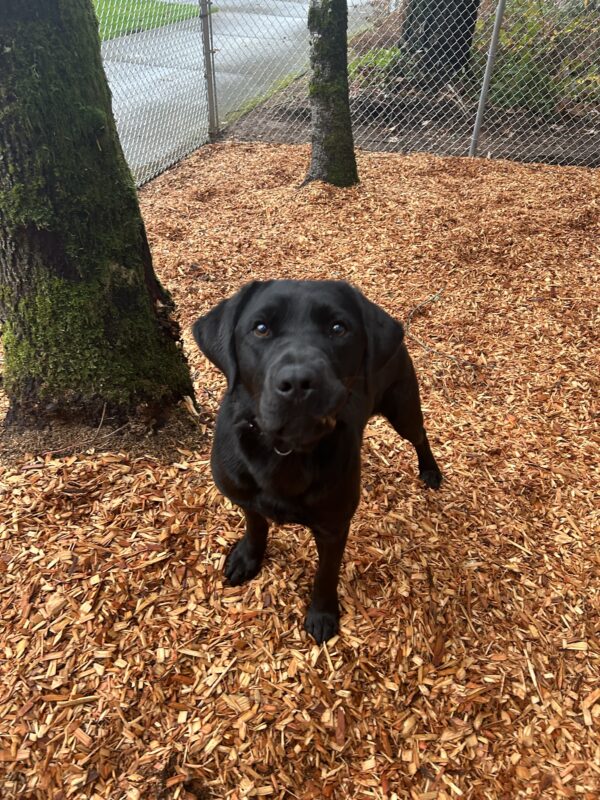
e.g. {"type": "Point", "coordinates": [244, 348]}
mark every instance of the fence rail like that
{"type": "Point", "coordinates": [181, 72]}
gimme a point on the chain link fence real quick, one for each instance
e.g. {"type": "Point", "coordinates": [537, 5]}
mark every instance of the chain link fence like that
{"type": "Point", "coordinates": [261, 47]}
{"type": "Point", "coordinates": [154, 57]}
{"type": "Point", "coordinates": [416, 71]}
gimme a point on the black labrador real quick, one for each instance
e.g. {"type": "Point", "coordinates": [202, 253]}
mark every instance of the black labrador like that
{"type": "Point", "coordinates": [307, 363]}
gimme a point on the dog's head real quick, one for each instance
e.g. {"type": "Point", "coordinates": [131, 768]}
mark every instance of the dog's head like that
{"type": "Point", "coordinates": [298, 348]}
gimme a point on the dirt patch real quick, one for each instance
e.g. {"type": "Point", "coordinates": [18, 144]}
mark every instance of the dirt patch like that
{"type": "Point", "coordinates": [182, 429]}
{"type": "Point", "coordinates": [400, 121]}
{"type": "Point", "coordinates": [469, 661]}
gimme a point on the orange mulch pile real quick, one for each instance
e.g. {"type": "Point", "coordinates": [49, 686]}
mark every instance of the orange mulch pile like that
{"type": "Point", "coordinates": [468, 664]}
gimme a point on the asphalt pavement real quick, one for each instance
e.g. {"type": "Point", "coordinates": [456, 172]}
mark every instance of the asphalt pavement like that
{"type": "Point", "coordinates": [157, 76]}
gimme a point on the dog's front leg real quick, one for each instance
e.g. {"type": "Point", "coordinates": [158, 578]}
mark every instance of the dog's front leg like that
{"type": "Point", "coordinates": [245, 560]}
{"type": "Point", "coordinates": [323, 618]}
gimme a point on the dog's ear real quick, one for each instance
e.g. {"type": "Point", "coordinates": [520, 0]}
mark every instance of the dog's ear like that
{"type": "Point", "coordinates": [215, 332]}
{"type": "Point", "coordinates": [385, 336]}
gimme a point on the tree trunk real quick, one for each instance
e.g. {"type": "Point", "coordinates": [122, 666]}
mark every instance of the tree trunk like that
{"type": "Point", "coordinates": [86, 322]}
{"type": "Point", "coordinates": [443, 31]}
{"type": "Point", "coordinates": [333, 159]}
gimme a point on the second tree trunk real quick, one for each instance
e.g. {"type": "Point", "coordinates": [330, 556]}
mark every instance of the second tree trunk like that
{"type": "Point", "coordinates": [333, 159]}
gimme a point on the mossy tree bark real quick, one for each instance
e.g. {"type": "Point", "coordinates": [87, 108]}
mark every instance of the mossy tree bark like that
{"type": "Point", "coordinates": [333, 159]}
{"type": "Point", "coordinates": [85, 322]}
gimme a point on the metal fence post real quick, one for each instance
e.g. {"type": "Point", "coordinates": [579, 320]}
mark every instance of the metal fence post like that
{"type": "Point", "coordinates": [487, 77]}
{"type": "Point", "coordinates": [209, 68]}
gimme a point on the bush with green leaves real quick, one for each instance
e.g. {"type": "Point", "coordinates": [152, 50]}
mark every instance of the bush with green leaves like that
{"type": "Point", "coordinates": [377, 66]}
{"type": "Point", "coordinates": [547, 62]}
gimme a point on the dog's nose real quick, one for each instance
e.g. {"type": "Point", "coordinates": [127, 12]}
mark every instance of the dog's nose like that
{"type": "Point", "coordinates": [295, 382]}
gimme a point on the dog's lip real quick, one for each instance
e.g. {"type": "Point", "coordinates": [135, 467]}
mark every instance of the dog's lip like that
{"type": "Point", "coordinates": [277, 429]}
{"type": "Point", "coordinates": [330, 421]}
{"type": "Point", "coordinates": [284, 445]}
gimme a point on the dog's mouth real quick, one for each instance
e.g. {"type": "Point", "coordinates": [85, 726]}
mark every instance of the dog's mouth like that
{"type": "Point", "coordinates": [298, 425]}
{"type": "Point", "coordinates": [328, 422]}
{"type": "Point", "coordinates": [301, 436]}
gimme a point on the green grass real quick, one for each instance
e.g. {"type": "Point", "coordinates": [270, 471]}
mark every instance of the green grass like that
{"type": "Point", "coordinates": [254, 102]}
{"type": "Point", "coordinates": [119, 17]}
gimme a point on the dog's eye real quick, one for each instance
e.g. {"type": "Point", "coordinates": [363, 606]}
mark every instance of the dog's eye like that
{"type": "Point", "coordinates": [338, 329]}
{"type": "Point", "coordinates": [261, 329]}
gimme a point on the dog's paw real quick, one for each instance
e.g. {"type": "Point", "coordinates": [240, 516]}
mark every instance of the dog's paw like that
{"type": "Point", "coordinates": [242, 565]}
{"type": "Point", "coordinates": [431, 478]}
{"type": "Point", "coordinates": [321, 625]}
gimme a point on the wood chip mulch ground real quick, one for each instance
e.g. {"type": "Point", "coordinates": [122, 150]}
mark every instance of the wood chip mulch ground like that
{"type": "Point", "coordinates": [468, 665]}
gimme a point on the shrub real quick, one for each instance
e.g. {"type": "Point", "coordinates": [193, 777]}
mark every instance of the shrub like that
{"type": "Point", "coordinates": [376, 66]}
{"type": "Point", "coordinates": [547, 59]}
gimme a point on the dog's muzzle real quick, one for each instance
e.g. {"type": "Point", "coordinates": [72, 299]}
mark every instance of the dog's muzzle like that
{"type": "Point", "coordinates": [299, 402]}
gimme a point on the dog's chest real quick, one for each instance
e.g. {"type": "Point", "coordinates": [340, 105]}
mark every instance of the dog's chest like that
{"type": "Point", "coordinates": [283, 510]}
{"type": "Point", "coordinates": [286, 477]}
{"type": "Point", "coordinates": [286, 491]}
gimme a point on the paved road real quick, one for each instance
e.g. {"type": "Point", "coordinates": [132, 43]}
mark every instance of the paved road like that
{"type": "Point", "coordinates": [159, 95]}
{"type": "Point", "coordinates": [157, 76]}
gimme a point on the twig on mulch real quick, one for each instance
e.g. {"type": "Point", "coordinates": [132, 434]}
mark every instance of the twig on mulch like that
{"type": "Point", "coordinates": [83, 442]}
{"type": "Point", "coordinates": [461, 362]}
{"type": "Point", "coordinates": [418, 307]}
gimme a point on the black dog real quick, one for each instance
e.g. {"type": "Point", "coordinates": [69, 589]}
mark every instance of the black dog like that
{"type": "Point", "coordinates": [307, 363]}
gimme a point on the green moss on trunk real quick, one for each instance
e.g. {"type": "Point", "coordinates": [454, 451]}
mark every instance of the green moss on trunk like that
{"type": "Point", "coordinates": [333, 158]}
{"type": "Point", "coordinates": [81, 350]}
{"type": "Point", "coordinates": [77, 289]}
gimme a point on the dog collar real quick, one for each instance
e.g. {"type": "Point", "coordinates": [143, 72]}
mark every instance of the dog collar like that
{"type": "Point", "coordinates": [253, 426]}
